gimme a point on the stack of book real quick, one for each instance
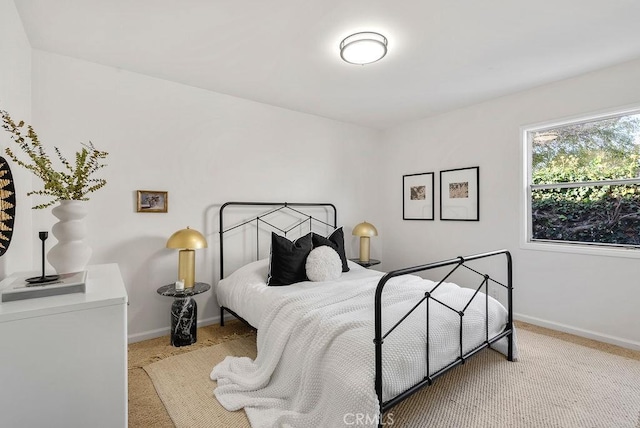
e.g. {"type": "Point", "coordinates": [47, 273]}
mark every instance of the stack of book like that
{"type": "Point", "coordinates": [67, 283]}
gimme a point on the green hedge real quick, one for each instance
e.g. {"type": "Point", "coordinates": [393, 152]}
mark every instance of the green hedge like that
{"type": "Point", "coordinates": [607, 149]}
{"type": "Point", "coordinates": [609, 219]}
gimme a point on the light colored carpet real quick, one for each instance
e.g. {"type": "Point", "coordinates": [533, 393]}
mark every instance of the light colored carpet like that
{"type": "Point", "coordinates": [555, 383]}
{"type": "Point", "coordinates": [145, 407]}
{"type": "Point", "coordinates": [183, 384]}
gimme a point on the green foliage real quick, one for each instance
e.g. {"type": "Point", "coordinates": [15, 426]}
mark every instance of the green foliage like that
{"type": "Point", "coordinates": [74, 182]}
{"type": "Point", "coordinates": [612, 140]}
{"type": "Point", "coordinates": [594, 151]}
{"type": "Point", "coordinates": [609, 220]}
{"type": "Point", "coordinates": [570, 169]}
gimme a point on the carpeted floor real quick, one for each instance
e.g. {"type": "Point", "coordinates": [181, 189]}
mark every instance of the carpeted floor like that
{"type": "Point", "coordinates": [146, 409]}
{"type": "Point", "coordinates": [184, 386]}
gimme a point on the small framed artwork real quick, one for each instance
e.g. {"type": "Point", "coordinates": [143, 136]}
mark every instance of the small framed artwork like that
{"type": "Point", "coordinates": [417, 196]}
{"type": "Point", "coordinates": [152, 201]}
{"type": "Point", "coordinates": [460, 194]}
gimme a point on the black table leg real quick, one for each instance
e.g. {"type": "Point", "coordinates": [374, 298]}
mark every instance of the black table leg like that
{"type": "Point", "coordinates": [184, 315]}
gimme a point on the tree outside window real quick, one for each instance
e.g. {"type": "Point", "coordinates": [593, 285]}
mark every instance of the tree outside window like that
{"type": "Point", "coordinates": [585, 182]}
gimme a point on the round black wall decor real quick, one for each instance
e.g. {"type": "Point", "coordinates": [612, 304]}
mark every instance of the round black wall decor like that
{"type": "Point", "coordinates": [7, 205]}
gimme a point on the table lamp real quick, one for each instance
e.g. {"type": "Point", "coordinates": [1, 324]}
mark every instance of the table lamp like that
{"type": "Point", "coordinates": [187, 240]}
{"type": "Point", "coordinates": [364, 230]}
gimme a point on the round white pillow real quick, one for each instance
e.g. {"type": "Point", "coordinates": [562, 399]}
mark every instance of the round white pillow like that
{"type": "Point", "coordinates": [323, 264]}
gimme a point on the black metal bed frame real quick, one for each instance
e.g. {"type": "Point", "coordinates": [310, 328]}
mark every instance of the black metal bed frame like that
{"type": "Point", "coordinates": [261, 219]}
{"type": "Point", "coordinates": [380, 336]}
{"type": "Point", "coordinates": [428, 296]}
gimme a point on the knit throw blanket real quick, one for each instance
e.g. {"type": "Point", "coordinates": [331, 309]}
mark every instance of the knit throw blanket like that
{"type": "Point", "coordinates": [315, 363]}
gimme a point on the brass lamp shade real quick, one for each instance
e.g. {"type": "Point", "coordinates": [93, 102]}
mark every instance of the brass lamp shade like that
{"type": "Point", "coordinates": [188, 240]}
{"type": "Point", "coordinates": [364, 230]}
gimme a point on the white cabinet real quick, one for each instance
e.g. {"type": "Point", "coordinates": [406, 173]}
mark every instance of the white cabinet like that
{"type": "Point", "coordinates": [63, 359]}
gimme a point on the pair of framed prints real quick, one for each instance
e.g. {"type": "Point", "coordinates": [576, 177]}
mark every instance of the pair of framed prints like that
{"type": "Point", "coordinates": [459, 195]}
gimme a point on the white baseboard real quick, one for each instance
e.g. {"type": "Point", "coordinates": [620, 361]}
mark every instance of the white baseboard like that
{"type": "Point", "coordinates": [152, 334]}
{"type": "Point", "coordinates": [600, 337]}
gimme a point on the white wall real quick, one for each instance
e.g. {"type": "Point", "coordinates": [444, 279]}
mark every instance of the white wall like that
{"type": "Point", "coordinates": [15, 97]}
{"type": "Point", "coordinates": [594, 296]}
{"type": "Point", "coordinates": [204, 148]}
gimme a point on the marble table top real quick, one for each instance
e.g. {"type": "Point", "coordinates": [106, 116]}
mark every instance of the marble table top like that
{"type": "Point", "coordinates": [170, 290]}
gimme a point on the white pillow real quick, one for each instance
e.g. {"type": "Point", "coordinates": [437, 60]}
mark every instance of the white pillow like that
{"type": "Point", "coordinates": [323, 264]}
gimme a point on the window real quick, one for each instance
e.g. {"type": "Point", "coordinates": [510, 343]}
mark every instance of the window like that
{"type": "Point", "coordinates": [583, 182]}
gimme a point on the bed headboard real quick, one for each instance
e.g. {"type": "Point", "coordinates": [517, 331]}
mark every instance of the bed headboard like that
{"type": "Point", "coordinates": [257, 219]}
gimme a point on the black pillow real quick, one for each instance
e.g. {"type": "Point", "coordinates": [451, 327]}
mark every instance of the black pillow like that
{"type": "Point", "coordinates": [287, 264]}
{"type": "Point", "coordinates": [335, 241]}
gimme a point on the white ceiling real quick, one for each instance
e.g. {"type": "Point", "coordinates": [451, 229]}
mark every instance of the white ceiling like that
{"type": "Point", "coordinates": [443, 54]}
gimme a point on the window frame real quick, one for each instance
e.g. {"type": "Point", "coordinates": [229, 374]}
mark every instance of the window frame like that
{"type": "Point", "coordinates": [526, 228]}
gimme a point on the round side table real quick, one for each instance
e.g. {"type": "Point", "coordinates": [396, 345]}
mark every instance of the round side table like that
{"type": "Point", "coordinates": [367, 264]}
{"type": "Point", "coordinates": [184, 312]}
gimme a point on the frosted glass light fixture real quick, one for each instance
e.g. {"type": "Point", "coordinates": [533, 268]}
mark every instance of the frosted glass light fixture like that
{"type": "Point", "coordinates": [363, 48]}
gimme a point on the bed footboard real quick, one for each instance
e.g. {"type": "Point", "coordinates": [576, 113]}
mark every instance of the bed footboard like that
{"type": "Point", "coordinates": [460, 262]}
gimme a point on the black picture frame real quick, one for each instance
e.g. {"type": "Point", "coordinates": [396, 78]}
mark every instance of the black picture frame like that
{"type": "Point", "coordinates": [418, 198]}
{"type": "Point", "coordinates": [460, 194]}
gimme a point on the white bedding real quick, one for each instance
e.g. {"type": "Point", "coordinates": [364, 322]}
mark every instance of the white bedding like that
{"type": "Point", "coordinates": [247, 294]}
{"type": "Point", "coordinates": [315, 363]}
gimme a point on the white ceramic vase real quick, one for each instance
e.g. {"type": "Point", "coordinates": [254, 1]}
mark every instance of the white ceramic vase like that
{"type": "Point", "coordinates": [71, 253]}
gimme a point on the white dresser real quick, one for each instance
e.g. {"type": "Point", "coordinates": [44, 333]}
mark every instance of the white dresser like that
{"type": "Point", "coordinates": [63, 359]}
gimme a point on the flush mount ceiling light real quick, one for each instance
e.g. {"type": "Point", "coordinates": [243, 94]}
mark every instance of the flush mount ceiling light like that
{"type": "Point", "coordinates": [363, 48]}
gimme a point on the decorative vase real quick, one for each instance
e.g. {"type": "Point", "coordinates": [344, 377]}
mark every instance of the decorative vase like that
{"type": "Point", "coordinates": [71, 253]}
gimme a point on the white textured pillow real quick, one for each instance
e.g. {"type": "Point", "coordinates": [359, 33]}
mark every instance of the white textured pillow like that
{"type": "Point", "coordinates": [323, 264]}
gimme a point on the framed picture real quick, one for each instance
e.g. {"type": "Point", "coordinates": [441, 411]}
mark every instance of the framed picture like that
{"type": "Point", "coordinates": [460, 194]}
{"type": "Point", "coordinates": [151, 201]}
{"type": "Point", "coordinates": [417, 196]}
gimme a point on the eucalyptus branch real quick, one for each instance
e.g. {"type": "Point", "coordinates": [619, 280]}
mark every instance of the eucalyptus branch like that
{"type": "Point", "coordinates": [74, 182]}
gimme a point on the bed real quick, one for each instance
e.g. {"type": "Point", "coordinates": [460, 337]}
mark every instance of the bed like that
{"type": "Point", "coordinates": [344, 351]}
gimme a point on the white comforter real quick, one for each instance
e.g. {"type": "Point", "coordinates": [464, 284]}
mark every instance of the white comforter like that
{"type": "Point", "coordinates": [315, 363]}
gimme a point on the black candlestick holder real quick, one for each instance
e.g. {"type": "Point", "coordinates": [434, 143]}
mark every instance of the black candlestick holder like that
{"type": "Point", "coordinates": [42, 279]}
